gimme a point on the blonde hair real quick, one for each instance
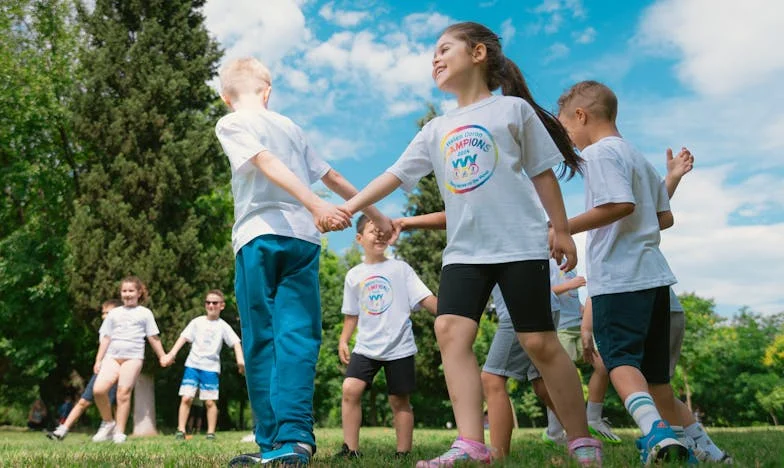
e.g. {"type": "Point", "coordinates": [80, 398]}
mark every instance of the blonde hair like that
{"type": "Point", "coordinates": [595, 98]}
{"type": "Point", "coordinates": [244, 75]}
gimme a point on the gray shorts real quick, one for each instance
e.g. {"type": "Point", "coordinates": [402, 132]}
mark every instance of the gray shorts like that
{"type": "Point", "coordinates": [507, 358]}
{"type": "Point", "coordinates": [677, 330]}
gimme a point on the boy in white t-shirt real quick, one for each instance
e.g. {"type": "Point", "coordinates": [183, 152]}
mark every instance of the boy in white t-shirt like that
{"type": "Point", "coordinates": [207, 334]}
{"type": "Point", "coordinates": [378, 297]}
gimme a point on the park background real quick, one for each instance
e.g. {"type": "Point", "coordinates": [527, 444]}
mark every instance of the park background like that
{"type": "Point", "coordinates": [110, 167]}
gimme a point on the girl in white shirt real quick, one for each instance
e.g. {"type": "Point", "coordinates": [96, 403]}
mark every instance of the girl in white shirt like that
{"type": "Point", "coordinates": [121, 355]}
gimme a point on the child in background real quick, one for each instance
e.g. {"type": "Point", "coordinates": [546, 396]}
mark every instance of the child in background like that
{"type": "Point", "coordinates": [492, 159]}
{"type": "Point", "coordinates": [36, 418]}
{"type": "Point", "coordinates": [65, 408]}
{"type": "Point", "coordinates": [87, 396]}
{"type": "Point", "coordinates": [378, 297]}
{"type": "Point", "coordinates": [121, 355]}
{"type": "Point", "coordinates": [207, 334]}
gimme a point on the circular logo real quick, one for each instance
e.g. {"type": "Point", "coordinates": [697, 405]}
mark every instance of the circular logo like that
{"type": "Point", "coordinates": [376, 295]}
{"type": "Point", "coordinates": [470, 157]}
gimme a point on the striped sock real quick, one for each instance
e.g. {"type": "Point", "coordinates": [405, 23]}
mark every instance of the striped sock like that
{"type": "Point", "coordinates": [640, 406]}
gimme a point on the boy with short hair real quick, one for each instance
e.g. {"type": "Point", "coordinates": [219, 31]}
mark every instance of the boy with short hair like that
{"type": "Point", "coordinates": [207, 334]}
{"type": "Point", "coordinates": [277, 250]}
{"type": "Point", "coordinates": [378, 297]}
{"type": "Point", "coordinates": [627, 205]}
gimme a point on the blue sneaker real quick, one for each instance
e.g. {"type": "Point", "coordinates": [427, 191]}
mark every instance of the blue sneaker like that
{"type": "Point", "coordinates": [246, 459]}
{"type": "Point", "coordinates": [661, 444]}
{"type": "Point", "coordinates": [291, 453]}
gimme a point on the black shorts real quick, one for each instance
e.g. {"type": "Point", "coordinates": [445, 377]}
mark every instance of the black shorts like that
{"type": "Point", "coordinates": [525, 285]}
{"type": "Point", "coordinates": [633, 329]}
{"type": "Point", "coordinates": [400, 373]}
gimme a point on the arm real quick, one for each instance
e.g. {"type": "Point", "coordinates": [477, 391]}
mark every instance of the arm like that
{"type": "Point", "coordinates": [168, 359]}
{"type": "Point", "coordinates": [101, 353]}
{"type": "Point", "coordinates": [666, 220]}
{"type": "Point", "coordinates": [574, 283]}
{"type": "Point", "coordinates": [155, 344]}
{"type": "Point", "coordinates": [677, 167]}
{"type": "Point", "coordinates": [240, 357]}
{"type": "Point", "coordinates": [549, 192]}
{"type": "Point", "coordinates": [430, 303]}
{"type": "Point", "coordinates": [338, 184]}
{"type": "Point", "coordinates": [600, 216]}
{"type": "Point", "coordinates": [349, 325]}
{"type": "Point", "coordinates": [425, 221]}
{"type": "Point", "coordinates": [586, 332]}
{"type": "Point", "coordinates": [376, 190]}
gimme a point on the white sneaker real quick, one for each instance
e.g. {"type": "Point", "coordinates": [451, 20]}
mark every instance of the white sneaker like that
{"type": "Point", "coordinates": [104, 432]}
{"type": "Point", "coordinates": [249, 438]}
{"type": "Point", "coordinates": [59, 433]}
{"type": "Point", "coordinates": [119, 438]}
{"type": "Point", "coordinates": [601, 430]}
{"type": "Point", "coordinates": [558, 441]}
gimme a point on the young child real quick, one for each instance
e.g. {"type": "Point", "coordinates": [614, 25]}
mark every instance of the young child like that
{"type": "Point", "coordinates": [627, 206]}
{"type": "Point", "coordinates": [492, 157]}
{"type": "Point", "coordinates": [121, 355]}
{"type": "Point", "coordinates": [207, 334]}
{"type": "Point", "coordinates": [277, 256]}
{"type": "Point", "coordinates": [378, 297]}
{"type": "Point", "coordinates": [87, 396]}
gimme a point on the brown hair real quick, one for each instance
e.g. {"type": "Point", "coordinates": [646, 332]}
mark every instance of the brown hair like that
{"type": "Point", "coordinates": [112, 302]}
{"type": "Point", "coordinates": [143, 295]}
{"type": "Point", "coordinates": [501, 72]}
{"type": "Point", "coordinates": [361, 223]}
{"type": "Point", "coordinates": [596, 98]}
{"type": "Point", "coordinates": [216, 292]}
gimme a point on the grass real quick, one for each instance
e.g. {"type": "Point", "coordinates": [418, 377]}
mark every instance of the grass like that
{"type": "Point", "coordinates": [751, 447]}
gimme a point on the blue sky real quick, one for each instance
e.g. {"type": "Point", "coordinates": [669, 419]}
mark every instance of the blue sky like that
{"type": "Point", "coordinates": [699, 73]}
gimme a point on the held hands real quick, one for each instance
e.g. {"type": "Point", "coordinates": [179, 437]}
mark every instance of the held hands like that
{"type": "Point", "coordinates": [97, 367]}
{"type": "Point", "coordinates": [166, 360]}
{"type": "Point", "coordinates": [329, 217]}
{"type": "Point", "coordinates": [343, 352]}
{"type": "Point", "coordinates": [241, 367]}
{"type": "Point", "coordinates": [562, 245]}
{"type": "Point", "coordinates": [577, 282]}
{"type": "Point", "coordinates": [681, 164]}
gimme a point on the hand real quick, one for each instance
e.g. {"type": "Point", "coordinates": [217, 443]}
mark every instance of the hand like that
{"type": "Point", "coordinates": [241, 367]}
{"type": "Point", "coordinates": [681, 164]}
{"type": "Point", "coordinates": [589, 350]}
{"type": "Point", "coordinates": [329, 217]}
{"type": "Point", "coordinates": [97, 367]}
{"type": "Point", "coordinates": [398, 226]}
{"type": "Point", "coordinates": [563, 245]}
{"type": "Point", "coordinates": [166, 360]}
{"type": "Point", "coordinates": [577, 282]}
{"type": "Point", "coordinates": [343, 352]}
{"type": "Point", "coordinates": [384, 228]}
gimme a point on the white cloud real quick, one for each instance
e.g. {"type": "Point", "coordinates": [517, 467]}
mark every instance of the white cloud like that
{"type": "Point", "coordinates": [724, 45]}
{"type": "Point", "coordinates": [420, 25]}
{"type": "Point", "coordinates": [586, 36]}
{"type": "Point", "coordinates": [344, 18]}
{"type": "Point", "coordinates": [508, 31]}
{"type": "Point", "coordinates": [399, 108]}
{"type": "Point", "coordinates": [332, 147]}
{"type": "Point", "coordinates": [556, 51]}
{"type": "Point", "coordinates": [551, 15]}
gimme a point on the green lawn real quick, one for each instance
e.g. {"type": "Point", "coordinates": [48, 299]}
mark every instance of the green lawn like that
{"type": "Point", "coordinates": [757, 447]}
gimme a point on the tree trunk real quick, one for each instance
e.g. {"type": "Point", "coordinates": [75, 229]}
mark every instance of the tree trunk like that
{"type": "Point", "coordinates": [144, 406]}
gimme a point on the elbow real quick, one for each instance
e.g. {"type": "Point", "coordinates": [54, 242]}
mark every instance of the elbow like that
{"type": "Point", "coordinates": [666, 221]}
{"type": "Point", "coordinates": [625, 209]}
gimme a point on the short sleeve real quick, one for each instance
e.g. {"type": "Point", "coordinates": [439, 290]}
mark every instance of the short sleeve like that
{"type": "Point", "coordinates": [607, 180]}
{"type": "Point", "coordinates": [350, 296]}
{"type": "Point", "coordinates": [539, 150]}
{"type": "Point", "coordinates": [229, 335]}
{"type": "Point", "coordinates": [555, 273]}
{"type": "Point", "coordinates": [107, 326]}
{"type": "Point", "coordinates": [414, 163]}
{"type": "Point", "coordinates": [239, 143]}
{"type": "Point", "coordinates": [416, 288]}
{"type": "Point", "coordinates": [151, 328]}
{"type": "Point", "coordinates": [663, 202]}
{"type": "Point", "coordinates": [316, 166]}
{"type": "Point", "coordinates": [190, 331]}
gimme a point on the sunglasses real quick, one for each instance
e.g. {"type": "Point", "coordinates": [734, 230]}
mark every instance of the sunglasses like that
{"type": "Point", "coordinates": [213, 302]}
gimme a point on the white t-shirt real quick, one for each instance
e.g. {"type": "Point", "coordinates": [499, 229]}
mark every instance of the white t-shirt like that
{"type": "Point", "coordinates": [502, 311]}
{"type": "Point", "coordinates": [260, 206]}
{"type": "Point", "coordinates": [127, 328]}
{"type": "Point", "coordinates": [383, 295]}
{"type": "Point", "coordinates": [569, 301]}
{"type": "Point", "coordinates": [675, 304]}
{"type": "Point", "coordinates": [207, 337]}
{"type": "Point", "coordinates": [483, 156]}
{"type": "Point", "coordinates": [624, 256]}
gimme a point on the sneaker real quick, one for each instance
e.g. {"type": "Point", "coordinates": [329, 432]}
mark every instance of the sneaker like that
{"type": "Point", "coordinates": [601, 430]}
{"type": "Point", "coordinates": [179, 435]}
{"type": "Point", "coordinates": [345, 452]}
{"type": "Point", "coordinates": [249, 438]}
{"type": "Point", "coordinates": [461, 451]}
{"type": "Point", "coordinates": [105, 432]}
{"type": "Point", "coordinates": [210, 436]}
{"type": "Point", "coordinates": [558, 441]}
{"type": "Point", "coordinates": [246, 459]}
{"type": "Point", "coordinates": [586, 451]}
{"type": "Point", "coordinates": [58, 434]}
{"type": "Point", "coordinates": [119, 438]}
{"type": "Point", "coordinates": [288, 454]}
{"type": "Point", "coordinates": [661, 444]}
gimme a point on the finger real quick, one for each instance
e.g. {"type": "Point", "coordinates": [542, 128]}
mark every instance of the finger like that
{"type": "Point", "coordinates": [669, 154]}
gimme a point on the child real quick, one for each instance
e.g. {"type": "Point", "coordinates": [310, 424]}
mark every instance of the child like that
{"type": "Point", "coordinates": [496, 231]}
{"type": "Point", "coordinates": [277, 256]}
{"type": "Point", "coordinates": [627, 205]}
{"type": "Point", "coordinates": [65, 407]}
{"type": "Point", "coordinates": [378, 297]}
{"type": "Point", "coordinates": [36, 418]}
{"type": "Point", "coordinates": [121, 355]}
{"type": "Point", "coordinates": [87, 396]}
{"type": "Point", "coordinates": [207, 334]}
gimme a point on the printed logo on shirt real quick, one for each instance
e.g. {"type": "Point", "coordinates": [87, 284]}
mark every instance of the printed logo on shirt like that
{"type": "Point", "coordinates": [376, 295]}
{"type": "Point", "coordinates": [470, 157]}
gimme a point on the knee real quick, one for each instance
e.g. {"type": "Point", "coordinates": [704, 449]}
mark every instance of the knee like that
{"type": "Point", "coordinates": [187, 400]}
{"type": "Point", "coordinates": [492, 384]}
{"type": "Point", "coordinates": [210, 404]}
{"type": "Point", "coordinates": [83, 404]}
{"type": "Point", "coordinates": [123, 395]}
{"type": "Point", "coordinates": [400, 403]}
{"type": "Point", "coordinates": [449, 332]}
{"type": "Point", "coordinates": [352, 390]}
{"type": "Point", "coordinates": [539, 345]}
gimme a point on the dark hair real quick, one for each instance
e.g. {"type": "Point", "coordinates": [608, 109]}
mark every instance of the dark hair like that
{"type": "Point", "coordinates": [216, 292]}
{"type": "Point", "coordinates": [361, 223]}
{"type": "Point", "coordinates": [112, 302]}
{"type": "Point", "coordinates": [501, 72]}
{"type": "Point", "coordinates": [139, 286]}
{"type": "Point", "coordinates": [596, 98]}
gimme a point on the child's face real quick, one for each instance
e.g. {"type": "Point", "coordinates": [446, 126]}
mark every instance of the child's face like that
{"type": "Point", "coordinates": [214, 305]}
{"type": "Point", "coordinates": [370, 242]}
{"type": "Point", "coordinates": [452, 61]}
{"type": "Point", "coordinates": [130, 294]}
{"type": "Point", "coordinates": [575, 126]}
{"type": "Point", "coordinates": [105, 310]}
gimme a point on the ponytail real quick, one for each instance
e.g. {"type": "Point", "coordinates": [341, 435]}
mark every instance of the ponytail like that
{"type": "Point", "coordinates": [513, 83]}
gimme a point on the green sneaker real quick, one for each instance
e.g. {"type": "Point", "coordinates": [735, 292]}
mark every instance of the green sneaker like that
{"type": "Point", "coordinates": [558, 441]}
{"type": "Point", "coordinates": [601, 430]}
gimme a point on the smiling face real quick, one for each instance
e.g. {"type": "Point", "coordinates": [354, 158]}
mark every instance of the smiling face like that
{"type": "Point", "coordinates": [214, 305]}
{"type": "Point", "coordinates": [454, 63]}
{"type": "Point", "coordinates": [130, 294]}
{"type": "Point", "coordinates": [373, 247]}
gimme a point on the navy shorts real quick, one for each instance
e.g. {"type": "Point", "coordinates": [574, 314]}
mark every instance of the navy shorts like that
{"type": "Point", "coordinates": [88, 391]}
{"type": "Point", "coordinates": [633, 329]}
{"type": "Point", "coordinates": [400, 373]}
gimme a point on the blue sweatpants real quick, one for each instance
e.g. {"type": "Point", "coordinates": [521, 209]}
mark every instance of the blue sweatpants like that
{"type": "Point", "coordinates": [277, 290]}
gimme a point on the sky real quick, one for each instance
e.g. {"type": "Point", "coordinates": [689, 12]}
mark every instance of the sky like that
{"type": "Point", "coordinates": [697, 73]}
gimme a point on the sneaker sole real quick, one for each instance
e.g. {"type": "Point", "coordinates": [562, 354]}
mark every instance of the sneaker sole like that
{"type": "Point", "coordinates": [670, 453]}
{"type": "Point", "coordinates": [287, 460]}
{"type": "Point", "coordinates": [604, 438]}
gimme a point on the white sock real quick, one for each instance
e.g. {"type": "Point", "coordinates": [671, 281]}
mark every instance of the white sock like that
{"type": "Point", "coordinates": [594, 411]}
{"type": "Point", "coordinates": [678, 430]}
{"type": "Point", "coordinates": [554, 427]}
{"type": "Point", "coordinates": [61, 430]}
{"type": "Point", "coordinates": [703, 441]}
{"type": "Point", "coordinates": [640, 406]}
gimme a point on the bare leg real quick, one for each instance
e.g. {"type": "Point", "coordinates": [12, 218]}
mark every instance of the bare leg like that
{"type": "Point", "coordinates": [76, 412]}
{"type": "Point", "coordinates": [351, 411]}
{"type": "Point", "coordinates": [499, 412]}
{"type": "Point", "coordinates": [182, 415]}
{"type": "Point", "coordinates": [123, 408]}
{"type": "Point", "coordinates": [404, 421]}
{"type": "Point", "coordinates": [212, 415]}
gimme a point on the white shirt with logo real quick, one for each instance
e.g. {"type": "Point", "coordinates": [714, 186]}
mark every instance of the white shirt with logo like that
{"type": "Point", "coordinates": [569, 300]}
{"type": "Point", "coordinates": [383, 295]}
{"type": "Point", "coordinates": [260, 206]}
{"type": "Point", "coordinates": [483, 157]}
{"type": "Point", "coordinates": [624, 256]}
{"type": "Point", "coordinates": [127, 327]}
{"type": "Point", "coordinates": [207, 338]}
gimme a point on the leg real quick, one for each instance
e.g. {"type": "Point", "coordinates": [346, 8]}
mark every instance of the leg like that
{"type": "Point", "coordinates": [401, 383]}
{"type": "Point", "coordinates": [106, 379]}
{"type": "Point", "coordinates": [351, 411]}
{"type": "Point", "coordinates": [499, 412]}
{"type": "Point", "coordinates": [211, 408]}
{"type": "Point", "coordinates": [129, 373]}
{"type": "Point", "coordinates": [600, 380]}
{"type": "Point", "coordinates": [77, 411]}
{"type": "Point", "coordinates": [188, 388]}
{"type": "Point", "coordinates": [404, 421]}
{"type": "Point", "coordinates": [184, 411]}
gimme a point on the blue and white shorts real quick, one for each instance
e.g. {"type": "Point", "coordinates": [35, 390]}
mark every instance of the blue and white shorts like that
{"type": "Point", "coordinates": [206, 382]}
